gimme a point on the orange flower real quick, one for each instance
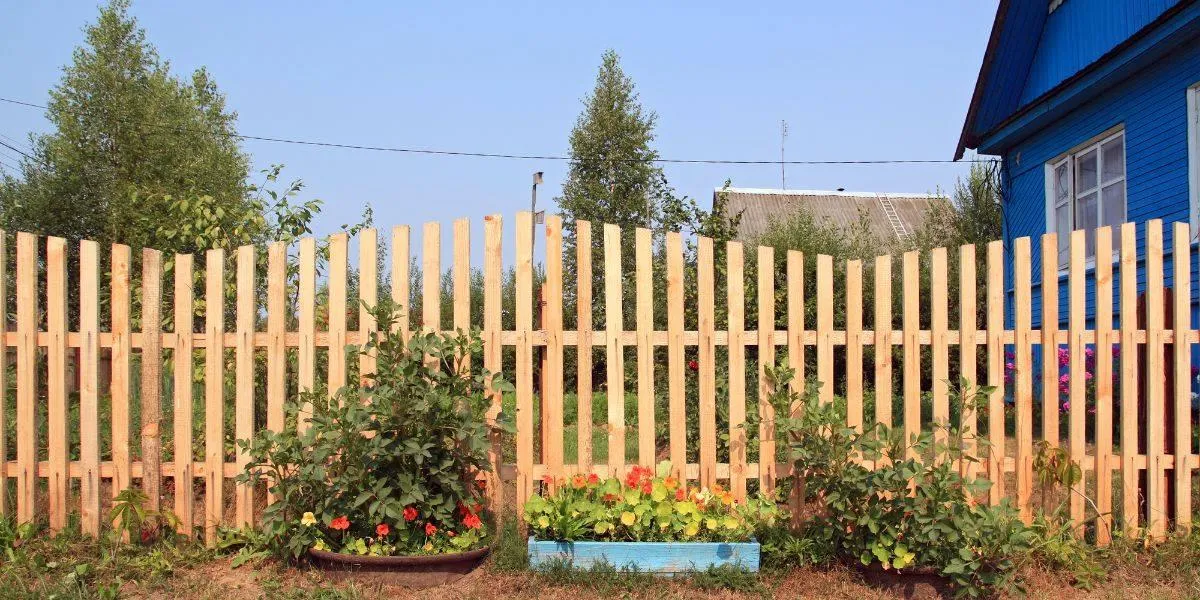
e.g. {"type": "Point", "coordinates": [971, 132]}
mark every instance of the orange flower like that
{"type": "Point", "coordinates": [727, 498]}
{"type": "Point", "coordinates": [430, 529]}
{"type": "Point", "coordinates": [717, 490]}
{"type": "Point", "coordinates": [671, 483]}
{"type": "Point", "coordinates": [680, 495]}
{"type": "Point", "coordinates": [340, 524]}
{"type": "Point", "coordinates": [578, 482]}
{"type": "Point", "coordinates": [382, 529]}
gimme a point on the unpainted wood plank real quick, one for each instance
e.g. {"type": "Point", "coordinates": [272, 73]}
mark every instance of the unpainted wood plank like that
{"type": "Point", "coordinates": [119, 385]}
{"type": "Point", "coordinates": [27, 372]}
{"type": "Point", "coordinates": [614, 351]}
{"type": "Point", "coordinates": [583, 373]}
{"type": "Point", "coordinates": [151, 376]}
{"type": "Point", "coordinates": [766, 357]}
{"type": "Point", "coordinates": [277, 319]}
{"type": "Point", "coordinates": [185, 476]}
{"type": "Point", "coordinates": [912, 348]}
{"type": "Point", "coordinates": [645, 350]}
{"type": "Point", "coordinates": [996, 365]}
{"type": "Point", "coordinates": [676, 386]}
{"type": "Point", "coordinates": [214, 392]}
{"type": "Point", "coordinates": [243, 407]}
{"type": "Point", "coordinates": [1076, 327]}
{"type": "Point", "coordinates": [337, 311]}
{"type": "Point", "coordinates": [1022, 299]}
{"type": "Point", "coordinates": [1181, 259]}
{"type": "Point", "coordinates": [462, 282]}
{"type": "Point", "coordinates": [431, 276]}
{"type": "Point", "coordinates": [401, 287]}
{"type": "Point", "coordinates": [524, 366]}
{"type": "Point", "coordinates": [825, 328]}
{"type": "Point", "coordinates": [1104, 387]}
{"type": "Point", "coordinates": [306, 352]}
{"type": "Point", "coordinates": [707, 355]}
{"type": "Point", "coordinates": [735, 286]}
{"type": "Point", "coordinates": [368, 298]}
{"type": "Point", "coordinates": [89, 389]}
{"type": "Point", "coordinates": [1050, 347]}
{"type": "Point", "coordinates": [1155, 382]}
{"type": "Point", "coordinates": [56, 380]}
{"type": "Point", "coordinates": [854, 344]}
{"type": "Point", "coordinates": [795, 335]}
{"type": "Point", "coordinates": [967, 306]}
{"type": "Point", "coordinates": [883, 340]}
{"type": "Point", "coordinates": [492, 350]}
{"type": "Point", "coordinates": [939, 289]}
{"type": "Point", "coordinates": [552, 322]}
{"type": "Point", "coordinates": [1129, 378]}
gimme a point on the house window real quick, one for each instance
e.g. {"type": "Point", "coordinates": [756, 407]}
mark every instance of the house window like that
{"type": "Point", "coordinates": [1085, 190]}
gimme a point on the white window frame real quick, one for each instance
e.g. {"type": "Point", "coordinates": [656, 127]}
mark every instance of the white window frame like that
{"type": "Point", "coordinates": [1193, 145]}
{"type": "Point", "coordinates": [1068, 158]}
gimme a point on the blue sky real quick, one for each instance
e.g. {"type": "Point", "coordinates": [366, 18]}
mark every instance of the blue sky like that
{"type": "Point", "coordinates": [855, 79]}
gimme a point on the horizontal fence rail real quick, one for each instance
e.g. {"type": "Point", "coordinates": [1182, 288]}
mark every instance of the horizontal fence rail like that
{"type": "Point", "coordinates": [94, 345]}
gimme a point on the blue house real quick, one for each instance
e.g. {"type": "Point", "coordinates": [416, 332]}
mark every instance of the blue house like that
{"type": "Point", "coordinates": [1094, 107]}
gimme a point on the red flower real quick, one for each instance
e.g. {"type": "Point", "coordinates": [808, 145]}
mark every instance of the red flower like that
{"type": "Point", "coordinates": [410, 513]}
{"type": "Point", "coordinates": [382, 529]}
{"type": "Point", "coordinates": [472, 521]}
{"type": "Point", "coordinates": [647, 486]}
{"type": "Point", "coordinates": [610, 498]}
{"type": "Point", "coordinates": [476, 508]}
{"type": "Point", "coordinates": [340, 524]}
{"type": "Point", "coordinates": [593, 479]}
{"type": "Point", "coordinates": [548, 480]}
{"type": "Point", "coordinates": [481, 484]}
{"type": "Point", "coordinates": [693, 365]}
{"type": "Point", "coordinates": [578, 481]}
{"type": "Point", "coordinates": [430, 529]}
{"type": "Point", "coordinates": [680, 495]}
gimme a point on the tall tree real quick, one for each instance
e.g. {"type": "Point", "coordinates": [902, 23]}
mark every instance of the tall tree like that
{"type": "Point", "coordinates": [129, 140]}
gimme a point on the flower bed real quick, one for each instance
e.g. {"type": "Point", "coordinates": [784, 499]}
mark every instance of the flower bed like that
{"type": "Point", "coordinates": [652, 522]}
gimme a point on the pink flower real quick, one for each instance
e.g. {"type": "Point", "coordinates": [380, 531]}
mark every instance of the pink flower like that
{"type": "Point", "coordinates": [1066, 406]}
{"type": "Point", "coordinates": [1064, 378]}
{"type": "Point", "coordinates": [1064, 357]}
{"type": "Point", "coordinates": [1088, 375]}
{"type": "Point", "coordinates": [1010, 366]}
{"type": "Point", "coordinates": [1089, 352]}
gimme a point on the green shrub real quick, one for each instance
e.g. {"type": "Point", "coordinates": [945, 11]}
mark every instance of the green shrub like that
{"type": "Point", "coordinates": [388, 466]}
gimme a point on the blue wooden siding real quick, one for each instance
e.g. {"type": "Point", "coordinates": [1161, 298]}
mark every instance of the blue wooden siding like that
{"type": "Point", "coordinates": [1152, 108]}
{"type": "Point", "coordinates": [1014, 52]}
{"type": "Point", "coordinates": [1081, 31]}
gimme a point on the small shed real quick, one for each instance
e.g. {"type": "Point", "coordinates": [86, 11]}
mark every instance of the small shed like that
{"type": "Point", "coordinates": [889, 215]}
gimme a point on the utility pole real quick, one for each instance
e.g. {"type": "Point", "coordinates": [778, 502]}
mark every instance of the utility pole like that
{"type": "Point", "coordinates": [783, 131]}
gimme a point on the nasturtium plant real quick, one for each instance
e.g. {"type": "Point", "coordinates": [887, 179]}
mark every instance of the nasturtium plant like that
{"type": "Point", "coordinates": [391, 465]}
{"type": "Point", "coordinates": [644, 506]}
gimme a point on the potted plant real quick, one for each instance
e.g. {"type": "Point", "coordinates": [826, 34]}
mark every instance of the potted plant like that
{"type": "Point", "coordinates": [648, 520]}
{"type": "Point", "coordinates": [382, 482]}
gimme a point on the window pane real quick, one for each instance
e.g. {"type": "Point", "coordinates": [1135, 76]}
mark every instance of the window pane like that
{"type": "Point", "coordinates": [1114, 204]}
{"type": "Point", "coordinates": [1060, 184]}
{"type": "Point", "coordinates": [1113, 158]}
{"type": "Point", "coordinates": [1086, 218]}
{"type": "Point", "coordinates": [1085, 171]}
{"type": "Point", "coordinates": [1062, 220]}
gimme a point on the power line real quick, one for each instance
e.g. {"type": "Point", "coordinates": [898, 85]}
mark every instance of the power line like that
{"type": "Point", "coordinates": [429, 151]}
{"type": "Point", "coordinates": [17, 150]}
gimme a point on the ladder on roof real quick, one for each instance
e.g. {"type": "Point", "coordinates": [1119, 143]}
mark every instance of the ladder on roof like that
{"type": "Point", "coordinates": [893, 218]}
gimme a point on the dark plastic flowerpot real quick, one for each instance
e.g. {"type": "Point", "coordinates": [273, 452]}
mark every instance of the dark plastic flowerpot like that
{"type": "Point", "coordinates": [917, 582]}
{"type": "Point", "coordinates": [409, 571]}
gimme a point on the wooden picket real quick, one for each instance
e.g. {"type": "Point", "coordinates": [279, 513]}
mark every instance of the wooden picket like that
{"type": "Point", "coordinates": [991, 323]}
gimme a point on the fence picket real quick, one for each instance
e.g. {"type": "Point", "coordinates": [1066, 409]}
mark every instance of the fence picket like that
{"type": "Point", "coordinates": [368, 298]}
{"type": "Point", "coordinates": [766, 357]}
{"type": "Point", "coordinates": [996, 369]}
{"type": "Point", "coordinates": [56, 380]}
{"type": "Point", "coordinates": [524, 368]}
{"type": "Point", "coordinates": [735, 287]}
{"type": "Point", "coordinates": [401, 288]}
{"type": "Point", "coordinates": [614, 351]}
{"type": "Point", "coordinates": [336, 287]}
{"type": "Point", "coordinates": [1181, 261]}
{"type": "Point", "coordinates": [1104, 387]}
{"type": "Point", "coordinates": [1156, 498]}
{"type": "Point", "coordinates": [967, 304]}
{"type": "Point", "coordinates": [151, 377]}
{"type": "Point", "coordinates": [277, 319]}
{"type": "Point", "coordinates": [854, 344]}
{"type": "Point", "coordinates": [795, 337]}
{"type": "Point", "coordinates": [244, 379]}
{"type": "Point", "coordinates": [912, 349]}
{"type": "Point", "coordinates": [939, 289]}
{"type": "Point", "coordinates": [583, 323]}
{"type": "Point", "coordinates": [552, 322]}
{"type": "Point", "coordinates": [645, 348]}
{"type": "Point", "coordinates": [1129, 379]}
{"type": "Point", "coordinates": [1024, 362]}
{"type": "Point", "coordinates": [27, 351]}
{"type": "Point", "coordinates": [492, 352]}
{"type": "Point", "coordinates": [825, 327]}
{"type": "Point", "coordinates": [119, 386]}
{"type": "Point", "coordinates": [1076, 443]}
{"type": "Point", "coordinates": [707, 353]}
{"type": "Point", "coordinates": [1049, 342]}
{"type": "Point", "coordinates": [214, 393]}
{"type": "Point", "coordinates": [431, 276]}
{"type": "Point", "coordinates": [676, 385]}
{"type": "Point", "coordinates": [462, 282]}
{"type": "Point", "coordinates": [883, 340]}
{"type": "Point", "coordinates": [89, 389]}
{"type": "Point", "coordinates": [306, 354]}
{"type": "Point", "coordinates": [182, 419]}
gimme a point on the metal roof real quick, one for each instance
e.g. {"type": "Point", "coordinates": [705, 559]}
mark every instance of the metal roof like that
{"type": "Point", "coordinates": [759, 207]}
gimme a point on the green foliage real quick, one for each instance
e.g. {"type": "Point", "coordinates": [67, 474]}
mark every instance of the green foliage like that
{"type": "Point", "coordinates": [132, 519]}
{"type": "Point", "coordinates": [913, 509]}
{"type": "Point", "coordinates": [388, 466]}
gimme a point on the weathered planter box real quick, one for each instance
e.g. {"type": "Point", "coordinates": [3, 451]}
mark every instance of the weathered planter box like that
{"type": "Point", "coordinates": [667, 558]}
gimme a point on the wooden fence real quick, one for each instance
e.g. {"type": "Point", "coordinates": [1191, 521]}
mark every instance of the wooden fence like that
{"type": "Point", "coordinates": [58, 484]}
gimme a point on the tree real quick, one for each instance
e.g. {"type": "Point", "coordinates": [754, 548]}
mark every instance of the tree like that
{"type": "Point", "coordinates": [130, 140]}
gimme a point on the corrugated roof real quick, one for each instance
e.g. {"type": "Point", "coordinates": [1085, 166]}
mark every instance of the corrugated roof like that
{"type": "Point", "coordinates": [761, 206]}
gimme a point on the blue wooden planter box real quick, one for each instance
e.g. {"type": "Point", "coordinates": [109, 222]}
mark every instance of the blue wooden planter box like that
{"type": "Point", "coordinates": [653, 557]}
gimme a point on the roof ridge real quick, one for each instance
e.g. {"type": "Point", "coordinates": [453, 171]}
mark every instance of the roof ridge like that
{"type": "Point", "coordinates": [781, 192]}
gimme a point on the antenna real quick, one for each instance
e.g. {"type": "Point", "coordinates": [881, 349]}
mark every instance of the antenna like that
{"type": "Point", "coordinates": [783, 131]}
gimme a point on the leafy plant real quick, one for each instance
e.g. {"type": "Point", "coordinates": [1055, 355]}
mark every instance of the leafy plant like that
{"type": "Point", "coordinates": [131, 519]}
{"type": "Point", "coordinates": [644, 507]}
{"type": "Point", "coordinates": [389, 465]}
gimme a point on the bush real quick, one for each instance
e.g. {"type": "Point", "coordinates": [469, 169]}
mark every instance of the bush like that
{"type": "Point", "coordinates": [388, 466]}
